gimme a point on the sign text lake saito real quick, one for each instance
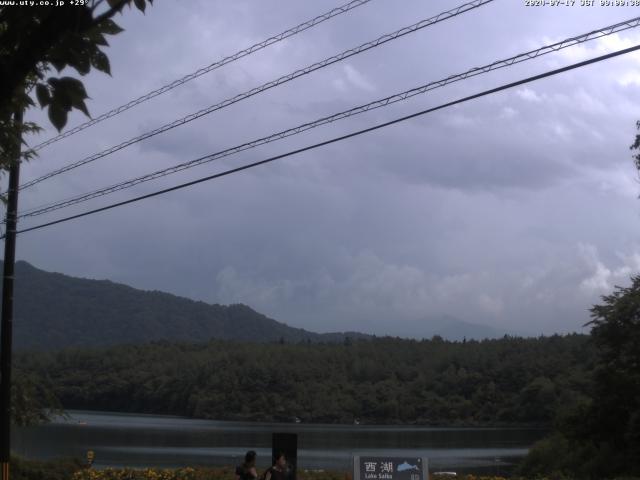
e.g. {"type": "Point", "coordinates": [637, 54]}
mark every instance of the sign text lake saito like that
{"type": "Point", "coordinates": [390, 468]}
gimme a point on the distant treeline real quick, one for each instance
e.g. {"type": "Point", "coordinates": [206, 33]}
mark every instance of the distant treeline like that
{"type": "Point", "coordinates": [384, 380]}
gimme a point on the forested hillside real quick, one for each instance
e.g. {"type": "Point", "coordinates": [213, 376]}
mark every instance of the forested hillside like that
{"type": "Point", "coordinates": [54, 311]}
{"type": "Point", "coordinates": [385, 380]}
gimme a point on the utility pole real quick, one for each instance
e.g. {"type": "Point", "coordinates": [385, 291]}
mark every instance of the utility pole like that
{"type": "Point", "coordinates": [7, 304]}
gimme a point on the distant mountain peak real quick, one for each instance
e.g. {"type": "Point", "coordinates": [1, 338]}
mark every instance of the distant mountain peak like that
{"type": "Point", "coordinates": [53, 310]}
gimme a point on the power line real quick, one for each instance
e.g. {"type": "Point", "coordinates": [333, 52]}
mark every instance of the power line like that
{"type": "Point", "coordinates": [340, 138]}
{"type": "Point", "coordinates": [220, 63]}
{"type": "Point", "coordinates": [274, 83]}
{"type": "Point", "coordinates": [621, 26]}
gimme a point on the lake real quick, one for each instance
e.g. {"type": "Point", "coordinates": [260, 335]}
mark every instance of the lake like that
{"type": "Point", "coordinates": [164, 441]}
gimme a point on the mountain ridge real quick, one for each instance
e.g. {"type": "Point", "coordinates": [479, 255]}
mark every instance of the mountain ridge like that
{"type": "Point", "coordinates": [54, 310]}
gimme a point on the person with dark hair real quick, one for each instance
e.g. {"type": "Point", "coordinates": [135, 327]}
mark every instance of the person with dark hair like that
{"type": "Point", "coordinates": [247, 471]}
{"type": "Point", "coordinates": [278, 471]}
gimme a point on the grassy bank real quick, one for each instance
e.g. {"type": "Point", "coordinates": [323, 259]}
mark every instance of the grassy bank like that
{"type": "Point", "coordinates": [62, 469]}
{"type": "Point", "coordinates": [73, 469]}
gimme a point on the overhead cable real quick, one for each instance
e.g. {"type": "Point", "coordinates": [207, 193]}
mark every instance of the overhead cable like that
{"type": "Point", "coordinates": [273, 83]}
{"type": "Point", "coordinates": [209, 68]}
{"type": "Point", "coordinates": [338, 139]}
{"type": "Point", "coordinates": [398, 97]}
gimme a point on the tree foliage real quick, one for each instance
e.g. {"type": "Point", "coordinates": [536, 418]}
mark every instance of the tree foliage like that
{"type": "Point", "coordinates": [32, 399]}
{"type": "Point", "coordinates": [37, 41]}
{"type": "Point", "coordinates": [59, 469]}
{"type": "Point", "coordinates": [600, 436]}
{"type": "Point", "coordinates": [615, 411]}
{"type": "Point", "coordinates": [33, 42]}
{"type": "Point", "coordinates": [383, 380]}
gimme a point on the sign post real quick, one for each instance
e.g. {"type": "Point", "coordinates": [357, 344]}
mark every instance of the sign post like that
{"type": "Point", "coordinates": [390, 468]}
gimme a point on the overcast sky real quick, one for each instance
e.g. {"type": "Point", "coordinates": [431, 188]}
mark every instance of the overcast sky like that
{"type": "Point", "coordinates": [517, 210]}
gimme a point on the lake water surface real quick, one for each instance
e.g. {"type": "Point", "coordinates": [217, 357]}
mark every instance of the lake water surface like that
{"type": "Point", "coordinates": [164, 441]}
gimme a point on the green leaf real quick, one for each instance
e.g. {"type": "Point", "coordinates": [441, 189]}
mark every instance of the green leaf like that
{"type": "Point", "coordinates": [69, 93]}
{"type": "Point", "coordinates": [62, 99]}
{"type": "Point", "coordinates": [98, 39]}
{"type": "Point", "coordinates": [56, 56]}
{"type": "Point", "coordinates": [58, 116]}
{"type": "Point", "coordinates": [110, 27]}
{"type": "Point", "coordinates": [58, 64]}
{"type": "Point", "coordinates": [43, 95]}
{"type": "Point", "coordinates": [100, 61]}
{"type": "Point", "coordinates": [81, 62]}
{"type": "Point", "coordinates": [31, 127]}
{"type": "Point", "coordinates": [73, 86]}
{"type": "Point", "coordinates": [80, 105]}
{"type": "Point", "coordinates": [84, 18]}
{"type": "Point", "coordinates": [28, 101]}
{"type": "Point", "coordinates": [140, 5]}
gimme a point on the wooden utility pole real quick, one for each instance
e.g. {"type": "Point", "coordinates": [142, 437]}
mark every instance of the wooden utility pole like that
{"type": "Point", "coordinates": [7, 305]}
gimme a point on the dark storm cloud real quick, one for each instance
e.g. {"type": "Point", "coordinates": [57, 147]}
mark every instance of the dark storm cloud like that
{"type": "Point", "coordinates": [501, 210]}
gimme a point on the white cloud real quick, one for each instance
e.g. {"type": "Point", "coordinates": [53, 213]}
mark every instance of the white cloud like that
{"type": "Point", "coordinates": [601, 46]}
{"type": "Point", "coordinates": [458, 120]}
{"type": "Point", "coordinates": [237, 288]}
{"type": "Point", "coordinates": [602, 279]}
{"type": "Point", "coordinates": [491, 305]}
{"type": "Point", "coordinates": [528, 95]}
{"type": "Point", "coordinates": [339, 84]}
{"type": "Point", "coordinates": [620, 182]}
{"type": "Point", "coordinates": [588, 102]}
{"type": "Point", "coordinates": [560, 130]}
{"type": "Point", "coordinates": [508, 113]}
{"type": "Point", "coordinates": [357, 79]}
{"type": "Point", "coordinates": [629, 78]}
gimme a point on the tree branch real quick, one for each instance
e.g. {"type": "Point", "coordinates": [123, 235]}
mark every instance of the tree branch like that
{"type": "Point", "coordinates": [111, 12]}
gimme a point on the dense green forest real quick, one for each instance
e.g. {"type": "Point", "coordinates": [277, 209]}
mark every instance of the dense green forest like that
{"type": "Point", "coordinates": [599, 437]}
{"type": "Point", "coordinates": [383, 380]}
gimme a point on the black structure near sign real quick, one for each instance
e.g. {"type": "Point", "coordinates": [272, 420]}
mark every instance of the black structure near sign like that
{"type": "Point", "coordinates": [286, 443]}
{"type": "Point", "coordinates": [390, 468]}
